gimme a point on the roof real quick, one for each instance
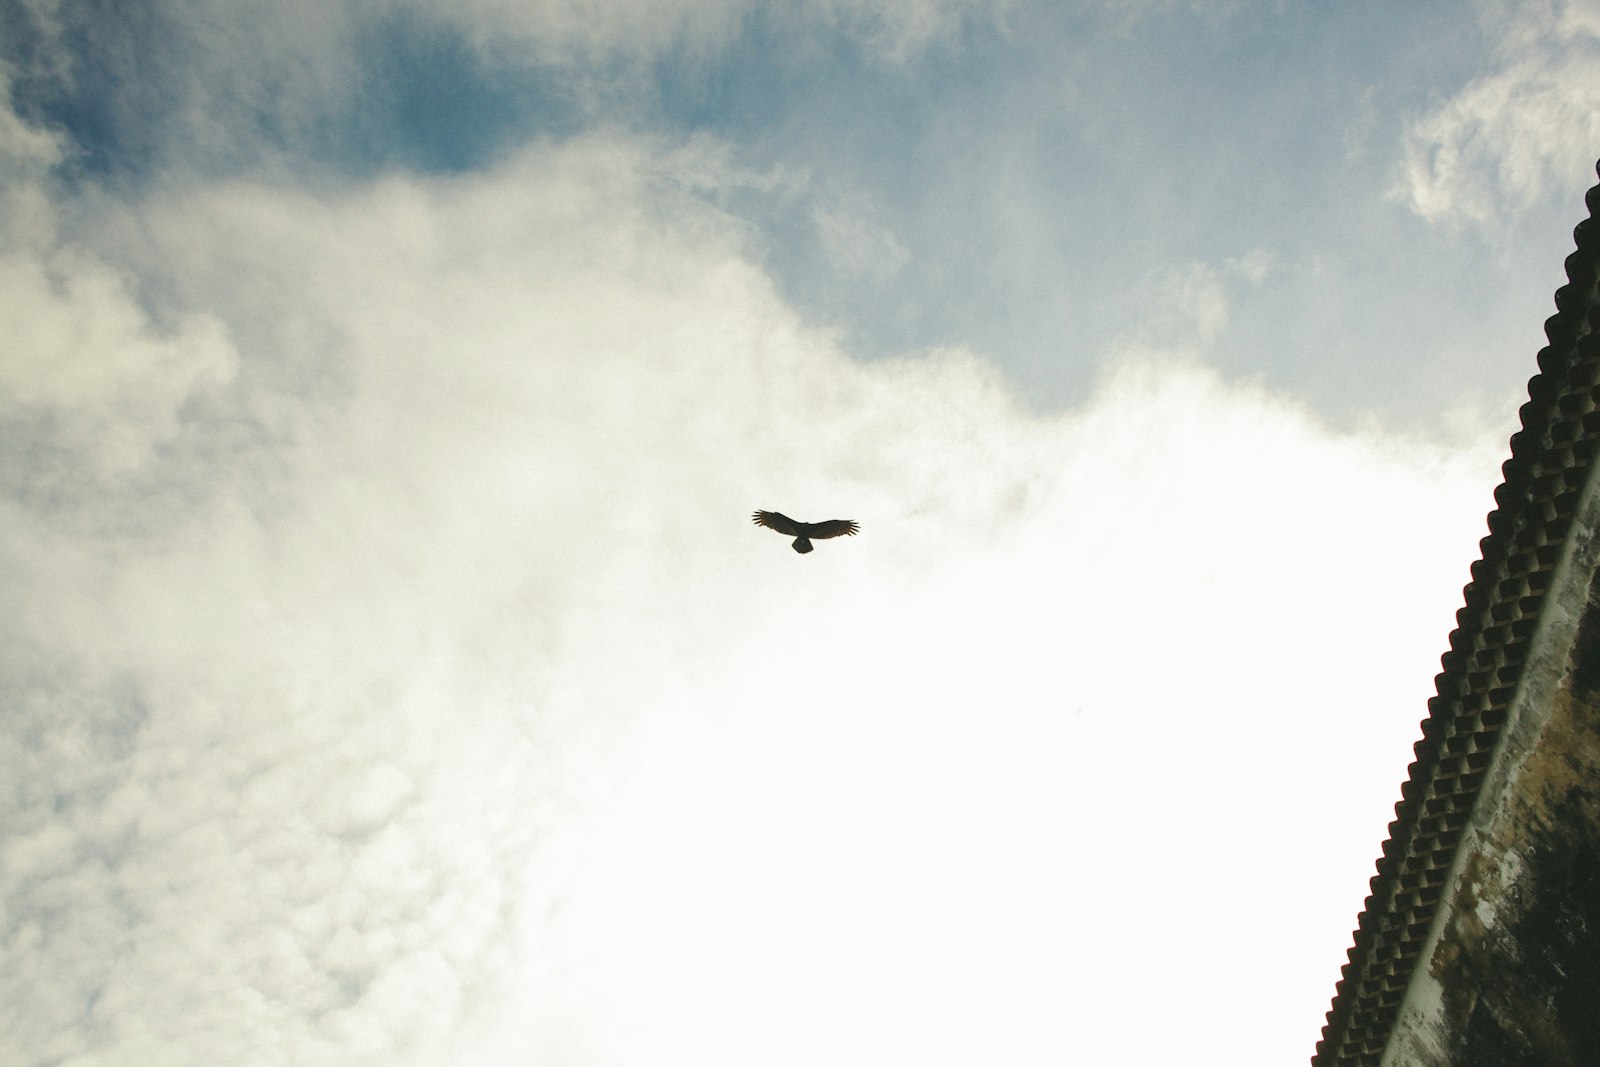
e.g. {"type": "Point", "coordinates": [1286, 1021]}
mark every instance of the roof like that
{"type": "Point", "coordinates": [1550, 461]}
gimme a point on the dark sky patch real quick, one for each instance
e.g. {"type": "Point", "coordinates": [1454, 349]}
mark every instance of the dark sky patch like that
{"type": "Point", "coordinates": [144, 87]}
{"type": "Point", "coordinates": [429, 102]}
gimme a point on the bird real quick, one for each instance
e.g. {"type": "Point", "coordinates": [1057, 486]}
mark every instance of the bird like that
{"type": "Point", "coordinates": [803, 532]}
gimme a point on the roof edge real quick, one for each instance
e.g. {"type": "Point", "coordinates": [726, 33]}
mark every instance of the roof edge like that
{"type": "Point", "coordinates": [1551, 457]}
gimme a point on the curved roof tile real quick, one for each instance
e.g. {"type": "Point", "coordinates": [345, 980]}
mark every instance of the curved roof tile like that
{"type": "Point", "coordinates": [1550, 459]}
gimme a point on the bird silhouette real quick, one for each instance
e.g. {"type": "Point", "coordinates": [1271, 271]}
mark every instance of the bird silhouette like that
{"type": "Point", "coordinates": [803, 532]}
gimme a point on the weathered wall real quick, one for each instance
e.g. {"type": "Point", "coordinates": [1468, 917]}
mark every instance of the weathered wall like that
{"type": "Point", "coordinates": [1510, 973]}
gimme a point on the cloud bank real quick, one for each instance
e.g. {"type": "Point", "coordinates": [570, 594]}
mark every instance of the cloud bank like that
{"type": "Point", "coordinates": [393, 676]}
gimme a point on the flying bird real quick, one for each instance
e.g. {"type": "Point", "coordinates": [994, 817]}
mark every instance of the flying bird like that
{"type": "Point", "coordinates": [803, 532]}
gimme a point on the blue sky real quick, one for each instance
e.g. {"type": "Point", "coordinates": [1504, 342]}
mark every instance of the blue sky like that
{"type": "Point", "coordinates": [1023, 179]}
{"type": "Point", "coordinates": [392, 674]}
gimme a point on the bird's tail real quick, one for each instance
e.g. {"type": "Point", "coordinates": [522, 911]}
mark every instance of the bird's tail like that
{"type": "Point", "coordinates": [802, 545]}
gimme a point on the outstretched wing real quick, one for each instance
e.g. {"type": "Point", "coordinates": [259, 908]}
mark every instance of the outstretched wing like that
{"type": "Point", "coordinates": [772, 520]}
{"type": "Point", "coordinates": [831, 528]}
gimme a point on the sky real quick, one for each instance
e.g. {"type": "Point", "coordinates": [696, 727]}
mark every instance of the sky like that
{"type": "Point", "coordinates": [390, 673]}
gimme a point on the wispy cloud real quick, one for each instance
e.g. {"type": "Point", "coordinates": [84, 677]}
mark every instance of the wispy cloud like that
{"type": "Point", "coordinates": [1511, 137]}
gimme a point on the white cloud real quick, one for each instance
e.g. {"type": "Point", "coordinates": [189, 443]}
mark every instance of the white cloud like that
{"type": "Point", "coordinates": [27, 154]}
{"type": "Point", "coordinates": [569, 31]}
{"type": "Point", "coordinates": [566, 30]}
{"type": "Point", "coordinates": [459, 715]}
{"type": "Point", "coordinates": [25, 150]}
{"type": "Point", "coordinates": [858, 247]}
{"type": "Point", "coordinates": [86, 370]}
{"type": "Point", "coordinates": [1255, 266]}
{"type": "Point", "coordinates": [1182, 310]}
{"type": "Point", "coordinates": [1511, 137]}
{"type": "Point", "coordinates": [899, 29]}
